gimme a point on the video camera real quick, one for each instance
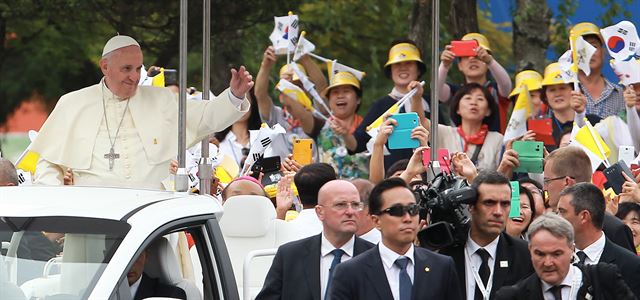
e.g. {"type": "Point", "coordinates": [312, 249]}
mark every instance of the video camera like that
{"type": "Point", "coordinates": [445, 201]}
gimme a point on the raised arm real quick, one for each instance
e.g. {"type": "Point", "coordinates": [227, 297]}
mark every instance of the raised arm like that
{"type": "Point", "coordinates": [265, 103]}
{"type": "Point", "coordinates": [315, 74]}
{"type": "Point", "coordinates": [446, 60]}
{"type": "Point", "coordinates": [497, 71]}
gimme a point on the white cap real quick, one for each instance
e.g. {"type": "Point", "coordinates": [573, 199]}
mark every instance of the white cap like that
{"type": "Point", "coordinates": [117, 42]}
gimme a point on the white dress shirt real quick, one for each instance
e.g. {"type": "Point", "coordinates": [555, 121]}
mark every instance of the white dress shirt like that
{"type": "Point", "coordinates": [572, 280]}
{"type": "Point", "coordinates": [594, 251]}
{"type": "Point", "coordinates": [392, 271]}
{"type": "Point", "coordinates": [134, 287]}
{"type": "Point", "coordinates": [474, 265]}
{"type": "Point", "coordinates": [326, 258]}
{"type": "Point", "coordinates": [306, 224]}
{"type": "Point", "coordinates": [373, 236]}
{"type": "Point", "coordinates": [230, 146]}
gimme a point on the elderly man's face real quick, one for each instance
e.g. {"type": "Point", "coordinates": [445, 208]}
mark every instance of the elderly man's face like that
{"type": "Point", "coordinates": [122, 70]}
{"type": "Point", "coordinates": [136, 270]}
{"type": "Point", "coordinates": [551, 256]}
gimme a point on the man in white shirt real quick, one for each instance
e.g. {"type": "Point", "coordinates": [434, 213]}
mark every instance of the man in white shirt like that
{"type": "Point", "coordinates": [116, 133]}
{"type": "Point", "coordinates": [583, 205]}
{"type": "Point", "coordinates": [395, 269]}
{"type": "Point", "coordinates": [551, 243]}
{"type": "Point", "coordinates": [304, 269]}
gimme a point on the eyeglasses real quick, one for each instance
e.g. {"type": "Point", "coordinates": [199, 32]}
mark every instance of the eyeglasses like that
{"type": "Point", "coordinates": [342, 206]}
{"type": "Point", "coordinates": [400, 210]}
{"type": "Point", "coordinates": [547, 180]}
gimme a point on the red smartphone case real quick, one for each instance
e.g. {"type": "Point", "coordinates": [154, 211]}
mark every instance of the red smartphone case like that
{"type": "Point", "coordinates": [543, 129]}
{"type": "Point", "coordinates": [464, 48]}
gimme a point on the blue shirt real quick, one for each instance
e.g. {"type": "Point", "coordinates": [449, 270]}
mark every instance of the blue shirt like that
{"type": "Point", "coordinates": [610, 103]}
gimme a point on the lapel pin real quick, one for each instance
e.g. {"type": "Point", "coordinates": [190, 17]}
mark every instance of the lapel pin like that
{"type": "Point", "coordinates": [504, 264]}
{"type": "Point", "coordinates": [155, 141]}
{"type": "Point", "coordinates": [426, 269]}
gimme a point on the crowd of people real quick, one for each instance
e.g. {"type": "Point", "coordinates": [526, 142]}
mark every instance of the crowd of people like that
{"type": "Point", "coordinates": [355, 199]}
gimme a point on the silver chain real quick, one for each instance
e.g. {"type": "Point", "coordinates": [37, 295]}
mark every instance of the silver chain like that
{"type": "Point", "coordinates": [104, 107]}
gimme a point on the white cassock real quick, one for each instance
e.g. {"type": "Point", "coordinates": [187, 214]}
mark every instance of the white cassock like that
{"type": "Point", "coordinates": [75, 135]}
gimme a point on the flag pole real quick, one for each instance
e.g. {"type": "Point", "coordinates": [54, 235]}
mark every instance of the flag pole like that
{"type": "Point", "coordinates": [205, 169]}
{"type": "Point", "coordinates": [435, 60]}
{"type": "Point", "coordinates": [318, 57]}
{"type": "Point", "coordinates": [288, 40]}
{"type": "Point", "coordinates": [182, 181]}
{"type": "Point", "coordinates": [593, 136]}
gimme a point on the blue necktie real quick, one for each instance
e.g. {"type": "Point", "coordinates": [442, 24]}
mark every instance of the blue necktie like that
{"type": "Point", "coordinates": [337, 256]}
{"type": "Point", "coordinates": [405, 280]}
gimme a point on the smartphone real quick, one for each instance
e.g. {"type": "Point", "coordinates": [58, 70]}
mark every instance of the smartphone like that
{"type": "Point", "coordinates": [530, 154]}
{"type": "Point", "coordinates": [626, 154]}
{"type": "Point", "coordinates": [444, 159]}
{"type": "Point", "coordinates": [303, 151]}
{"type": "Point", "coordinates": [543, 130]}
{"type": "Point", "coordinates": [170, 77]}
{"type": "Point", "coordinates": [400, 138]}
{"type": "Point", "coordinates": [464, 48]}
{"type": "Point", "coordinates": [614, 176]}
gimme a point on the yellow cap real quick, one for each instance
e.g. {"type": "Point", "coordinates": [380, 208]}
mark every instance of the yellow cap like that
{"type": "Point", "coordinates": [532, 79]}
{"type": "Point", "coordinates": [553, 75]}
{"type": "Point", "coordinates": [480, 38]}
{"type": "Point", "coordinates": [272, 190]}
{"type": "Point", "coordinates": [295, 77]}
{"type": "Point", "coordinates": [586, 28]}
{"type": "Point", "coordinates": [341, 78]}
{"type": "Point", "coordinates": [403, 52]}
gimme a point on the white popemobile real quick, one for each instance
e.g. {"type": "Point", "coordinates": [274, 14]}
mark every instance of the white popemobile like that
{"type": "Point", "coordinates": [103, 231]}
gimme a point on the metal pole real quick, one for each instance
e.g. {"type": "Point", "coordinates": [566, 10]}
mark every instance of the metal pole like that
{"type": "Point", "coordinates": [205, 170]}
{"type": "Point", "coordinates": [182, 181]}
{"type": "Point", "coordinates": [435, 49]}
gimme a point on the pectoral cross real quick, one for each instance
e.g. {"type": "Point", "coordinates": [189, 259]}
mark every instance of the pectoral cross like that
{"type": "Point", "coordinates": [112, 155]}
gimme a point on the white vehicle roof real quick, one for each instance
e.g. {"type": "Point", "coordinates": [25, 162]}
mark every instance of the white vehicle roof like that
{"type": "Point", "coordinates": [97, 202]}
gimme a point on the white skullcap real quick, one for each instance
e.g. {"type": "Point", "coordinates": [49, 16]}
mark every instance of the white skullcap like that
{"type": "Point", "coordinates": [117, 42]}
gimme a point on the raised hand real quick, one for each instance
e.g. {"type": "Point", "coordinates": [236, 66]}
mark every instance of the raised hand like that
{"type": "Point", "coordinates": [241, 82]}
{"type": "Point", "coordinates": [630, 96]}
{"type": "Point", "coordinates": [578, 101]}
{"type": "Point", "coordinates": [447, 57]}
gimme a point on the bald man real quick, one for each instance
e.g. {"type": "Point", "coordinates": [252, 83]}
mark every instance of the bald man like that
{"type": "Point", "coordinates": [303, 269]}
{"type": "Point", "coordinates": [8, 173]}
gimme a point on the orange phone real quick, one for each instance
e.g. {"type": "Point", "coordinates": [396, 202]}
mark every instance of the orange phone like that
{"type": "Point", "coordinates": [302, 151]}
{"type": "Point", "coordinates": [464, 48]}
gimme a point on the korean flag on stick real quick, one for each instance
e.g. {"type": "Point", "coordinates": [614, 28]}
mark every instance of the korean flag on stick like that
{"type": "Point", "coordinates": [621, 40]}
{"type": "Point", "coordinates": [334, 67]}
{"type": "Point", "coordinates": [285, 34]}
{"type": "Point", "coordinates": [627, 71]}
{"type": "Point", "coordinates": [266, 135]}
{"type": "Point", "coordinates": [304, 47]}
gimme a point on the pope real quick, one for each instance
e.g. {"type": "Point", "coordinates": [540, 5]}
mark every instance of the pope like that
{"type": "Point", "coordinates": [116, 133]}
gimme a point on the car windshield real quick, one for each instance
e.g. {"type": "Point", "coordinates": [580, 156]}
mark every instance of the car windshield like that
{"type": "Point", "coordinates": [55, 257]}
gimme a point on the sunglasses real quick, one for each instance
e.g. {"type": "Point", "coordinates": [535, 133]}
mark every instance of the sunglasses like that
{"type": "Point", "coordinates": [399, 210]}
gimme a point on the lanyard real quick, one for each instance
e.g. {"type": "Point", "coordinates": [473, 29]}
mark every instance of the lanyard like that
{"type": "Point", "coordinates": [484, 290]}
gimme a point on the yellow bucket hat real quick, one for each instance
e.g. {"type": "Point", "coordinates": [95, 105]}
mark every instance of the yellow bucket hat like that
{"type": "Point", "coordinates": [403, 52]}
{"type": "Point", "coordinates": [341, 78]}
{"type": "Point", "coordinates": [480, 38]}
{"type": "Point", "coordinates": [586, 28]}
{"type": "Point", "coordinates": [553, 75]}
{"type": "Point", "coordinates": [286, 68]}
{"type": "Point", "coordinates": [532, 79]}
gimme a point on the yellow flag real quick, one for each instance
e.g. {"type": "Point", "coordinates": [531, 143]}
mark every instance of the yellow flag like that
{"type": "Point", "coordinates": [391, 111]}
{"type": "Point", "coordinates": [158, 80]}
{"type": "Point", "coordinates": [585, 137]}
{"type": "Point", "coordinates": [295, 93]}
{"type": "Point", "coordinates": [28, 162]}
{"type": "Point", "coordinates": [517, 126]}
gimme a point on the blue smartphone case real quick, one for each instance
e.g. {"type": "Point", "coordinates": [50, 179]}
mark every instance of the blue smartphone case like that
{"type": "Point", "coordinates": [400, 138]}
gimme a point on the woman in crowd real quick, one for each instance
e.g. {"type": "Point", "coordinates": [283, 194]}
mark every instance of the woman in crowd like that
{"type": "Point", "coordinates": [533, 81]}
{"type": "Point", "coordinates": [403, 67]}
{"type": "Point", "coordinates": [629, 213]}
{"type": "Point", "coordinates": [473, 109]}
{"type": "Point", "coordinates": [517, 226]}
{"type": "Point", "coordinates": [474, 69]}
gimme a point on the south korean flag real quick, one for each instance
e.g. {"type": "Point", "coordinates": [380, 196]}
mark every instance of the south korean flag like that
{"type": "Point", "coordinates": [261, 143]}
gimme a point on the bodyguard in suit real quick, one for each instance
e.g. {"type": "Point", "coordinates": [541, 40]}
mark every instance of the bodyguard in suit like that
{"type": "Point", "coordinates": [304, 269]}
{"type": "Point", "coordinates": [395, 269]}
{"type": "Point", "coordinates": [490, 258]}
{"type": "Point", "coordinates": [551, 244]}
{"type": "Point", "coordinates": [142, 286]}
{"type": "Point", "coordinates": [567, 166]}
{"type": "Point", "coordinates": [583, 205]}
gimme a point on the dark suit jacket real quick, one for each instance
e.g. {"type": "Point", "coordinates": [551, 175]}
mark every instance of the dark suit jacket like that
{"type": "Point", "coordinates": [627, 262]}
{"type": "Point", "coordinates": [514, 251]}
{"type": "Point", "coordinates": [364, 277]}
{"type": "Point", "coordinates": [295, 271]}
{"type": "Point", "coordinates": [618, 232]}
{"type": "Point", "coordinates": [151, 287]}
{"type": "Point", "coordinates": [603, 281]}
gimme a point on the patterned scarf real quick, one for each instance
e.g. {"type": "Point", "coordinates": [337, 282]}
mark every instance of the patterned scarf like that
{"type": "Point", "coordinates": [475, 139]}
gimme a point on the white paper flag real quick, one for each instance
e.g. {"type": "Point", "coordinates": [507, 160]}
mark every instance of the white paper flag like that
{"type": "Point", "coordinates": [304, 47]}
{"type": "Point", "coordinates": [285, 34]}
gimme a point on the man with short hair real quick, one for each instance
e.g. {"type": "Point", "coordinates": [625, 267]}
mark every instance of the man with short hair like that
{"type": "Point", "coordinates": [143, 286]}
{"type": "Point", "coordinates": [116, 133]}
{"type": "Point", "coordinates": [309, 179]}
{"type": "Point", "coordinates": [304, 269]}
{"type": "Point", "coordinates": [8, 173]}
{"type": "Point", "coordinates": [396, 269]}
{"type": "Point", "coordinates": [551, 247]}
{"type": "Point", "coordinates": [366, 229]}
{"type": "Point", "coordinates": [488, 252]}
{"type": "Point", "coordinates": [583, 205]}
{"type": "Point", "coordinates": [567, 166]}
